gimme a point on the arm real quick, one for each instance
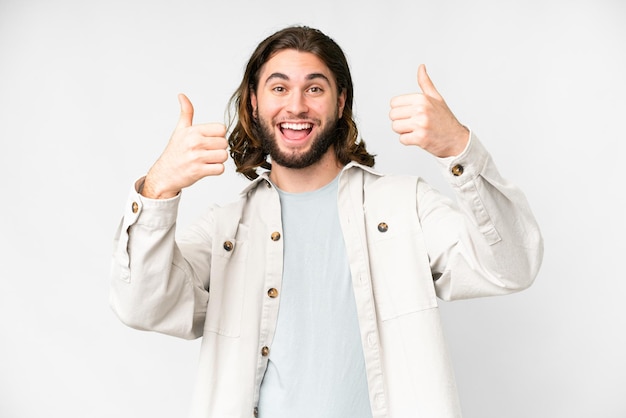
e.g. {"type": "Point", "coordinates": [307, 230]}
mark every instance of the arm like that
{"type": "Point", "coordinates": [157, 283]}
{"type": "Point", "coordinates": [491, 243]}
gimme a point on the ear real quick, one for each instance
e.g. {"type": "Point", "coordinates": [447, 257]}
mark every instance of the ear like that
{"type": "Point", "coordinates": [341, 102]}
{"type": "Point", "coordinates": [253, 103]}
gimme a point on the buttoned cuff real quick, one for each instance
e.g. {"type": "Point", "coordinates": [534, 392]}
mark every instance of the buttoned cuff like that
{"type": "Point", "coordinates": [154, 213]}
{"type": "Point", "coordinates": [466, 166]}
{"type": "Point", "coordinates": [140, 210]}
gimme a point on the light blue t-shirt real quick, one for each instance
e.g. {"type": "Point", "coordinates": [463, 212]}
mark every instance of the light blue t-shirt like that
{"type": "Point", "coordinates": [316, 366]}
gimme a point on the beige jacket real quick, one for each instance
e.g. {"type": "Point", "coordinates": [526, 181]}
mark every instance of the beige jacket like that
{"type": "Point", "coordinates": [406, 244]}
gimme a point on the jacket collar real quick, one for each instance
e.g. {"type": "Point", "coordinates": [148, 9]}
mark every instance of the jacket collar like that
{"type": "Point", "coordinates": [264, 176]}
{"type": "Point", "coordinates": [353, 164]}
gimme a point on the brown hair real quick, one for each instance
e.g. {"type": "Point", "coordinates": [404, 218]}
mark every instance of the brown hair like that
{"type": "Point", "coordinates": [245, 148]}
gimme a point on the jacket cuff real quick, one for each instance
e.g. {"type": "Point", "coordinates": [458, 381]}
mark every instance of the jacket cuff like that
{"type": "Point", "coordinates": [466, 166]}
{"type": "Point", "coordinates": [154, 213]}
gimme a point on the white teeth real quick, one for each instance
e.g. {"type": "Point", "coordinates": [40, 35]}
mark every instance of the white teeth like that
{"type": "Point", "coordinates": [296, 126]}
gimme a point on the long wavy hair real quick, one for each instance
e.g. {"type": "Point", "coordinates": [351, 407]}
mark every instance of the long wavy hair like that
{"type": "Point", "coordinates": [246, 149]}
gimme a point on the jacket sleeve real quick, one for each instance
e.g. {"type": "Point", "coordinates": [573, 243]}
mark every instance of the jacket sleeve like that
{"type": "Point", "coordinates": [489, 242]}
{"type": "Point", "coordinates": [159, 284]}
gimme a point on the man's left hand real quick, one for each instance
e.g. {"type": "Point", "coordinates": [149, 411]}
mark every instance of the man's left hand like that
{"type": "Point", "coordinates": [424, 119]}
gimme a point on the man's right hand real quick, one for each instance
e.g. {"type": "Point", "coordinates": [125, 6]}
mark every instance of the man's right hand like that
{"type": "Point", "coordinates": [193, 152]}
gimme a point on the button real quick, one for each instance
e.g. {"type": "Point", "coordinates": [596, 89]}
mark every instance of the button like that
{"type": "Point", "coordinates": [383, 227]}
{"type": "Point", "coordinates": [268, 184]}
{"type": "Point", "coordinates": [256, 411]}
{"type": "Point", "coordinates": [273, 293]}
{"type": "Point", "coordinates": [371, 339]}
{"type": "Point", "coordinates": [379, 400]}
{"type": "Point", "coordinates": [135, 207]}
{"type": "Point", "coordinates": [275, 236]}
{"type": "Point", "coordinates": [457, 170]}
{"type": "Point", "coordinates": [265, 351]}
{"type": "Point", "coordinates": [228, 246]}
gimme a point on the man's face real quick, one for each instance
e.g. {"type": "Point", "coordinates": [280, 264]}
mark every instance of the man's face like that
{"type": "Point", "coordinates": [297, 107]}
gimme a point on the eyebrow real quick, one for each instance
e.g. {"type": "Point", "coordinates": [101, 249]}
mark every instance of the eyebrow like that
{"type": "Point", "coordinates": [311, 76]}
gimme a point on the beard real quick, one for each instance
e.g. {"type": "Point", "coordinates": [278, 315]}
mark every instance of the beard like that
{"type": "Point", "coordinates": [321, 143]}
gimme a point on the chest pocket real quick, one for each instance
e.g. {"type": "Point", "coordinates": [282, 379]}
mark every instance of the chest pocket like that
{"type": "Point", "coordinates": [401, 277]}
{"type": "Point", "coordinates": [228, 273]}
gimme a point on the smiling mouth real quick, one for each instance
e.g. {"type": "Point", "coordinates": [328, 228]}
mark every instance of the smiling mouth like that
{"type": "Point", "coordinates": [295, 131]}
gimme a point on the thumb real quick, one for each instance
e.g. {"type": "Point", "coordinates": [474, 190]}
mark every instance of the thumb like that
{"type": "Point", "coordinates": [186, 112]}
{"type": "Point", "coordinates": [426, 84]}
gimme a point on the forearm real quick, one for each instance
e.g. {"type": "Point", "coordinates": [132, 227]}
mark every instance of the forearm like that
{"type": "Point", "coordinates": [153, 287]}
{"type": "Point", "coordinates": [492, 244]}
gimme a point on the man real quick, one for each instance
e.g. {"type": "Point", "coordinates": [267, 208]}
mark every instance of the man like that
{"type": "Point", "coordinates": [315, 293]}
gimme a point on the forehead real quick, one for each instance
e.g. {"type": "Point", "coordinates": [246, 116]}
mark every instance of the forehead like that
{"type": "Point", "coordinates": [295, 65]}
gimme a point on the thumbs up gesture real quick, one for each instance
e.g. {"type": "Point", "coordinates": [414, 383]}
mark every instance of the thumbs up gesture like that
{"type": "Point", "coordinates": [424, 119]}
{"type": "Point", "coordinates": [193, 152]}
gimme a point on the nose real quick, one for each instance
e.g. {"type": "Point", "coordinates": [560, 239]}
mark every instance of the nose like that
{"type": "Point", "coordinates": [297, 104]}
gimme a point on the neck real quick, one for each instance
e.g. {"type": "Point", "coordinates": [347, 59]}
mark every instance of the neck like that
{"type": "Point", "coordinates": [313, 177]}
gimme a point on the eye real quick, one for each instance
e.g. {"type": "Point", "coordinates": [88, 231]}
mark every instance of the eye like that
{"type": "Point", "coordinates": [278, 89]}
{"type": "Point", "coordinates": [316, 90]}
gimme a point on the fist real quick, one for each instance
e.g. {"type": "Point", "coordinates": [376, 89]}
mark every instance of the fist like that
{"type": "Point", "coordinates": [193, 152]}
{"type": "Point", "coordinates": [424, 119]}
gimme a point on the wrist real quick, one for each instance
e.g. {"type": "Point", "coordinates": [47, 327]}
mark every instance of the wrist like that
{"type": "Point", "coordinates": [147, 188]}
{"type": "Point", "coordinates": [461, 139]}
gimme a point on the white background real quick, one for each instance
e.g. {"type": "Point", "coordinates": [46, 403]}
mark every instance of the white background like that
{"type": "Point", "coordinates": [88, 100]}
